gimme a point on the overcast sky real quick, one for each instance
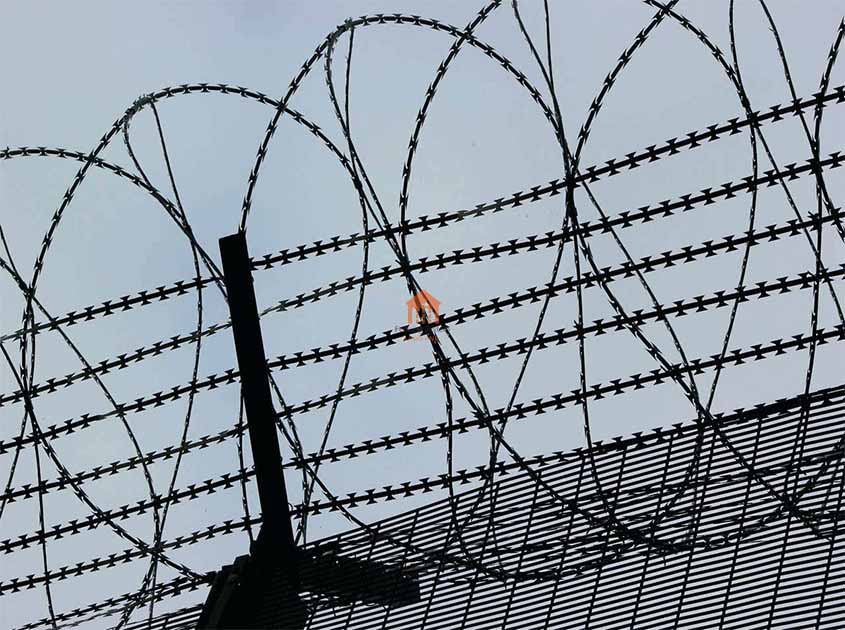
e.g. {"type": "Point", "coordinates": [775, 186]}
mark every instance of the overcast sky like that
{"type": "Point", "coordinates": [70, 70]}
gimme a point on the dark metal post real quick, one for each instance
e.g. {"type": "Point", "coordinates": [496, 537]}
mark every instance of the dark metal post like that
{"type": "Point", "coordinates": [258, 403]}
{"type": "Point", "coordinates": [262, 590]}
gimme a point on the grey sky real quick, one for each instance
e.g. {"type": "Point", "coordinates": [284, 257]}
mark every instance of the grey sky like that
{"type": "Point", "coordinates": [70, 70]}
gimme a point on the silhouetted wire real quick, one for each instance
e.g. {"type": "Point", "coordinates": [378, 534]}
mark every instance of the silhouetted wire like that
{"type": "Point", "coordinates": [627, 536]}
